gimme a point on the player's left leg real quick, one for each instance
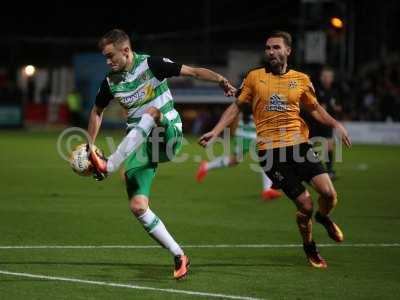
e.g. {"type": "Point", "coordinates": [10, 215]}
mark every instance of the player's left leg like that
{"type": "Point", "coordinates": [312, 171]}
{"type": "Point", "coordinates": [141, 168]}
{"type": "Point", "coordinates": [304, 213]}
{"type": "Point", "coordinates": [327, 201]}
{"type": "Point", "coordinates": [168, 145]}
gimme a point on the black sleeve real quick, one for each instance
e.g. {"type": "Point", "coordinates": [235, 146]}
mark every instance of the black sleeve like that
{"type": "Point", "coordinates": [163, 67]}
{"type": "Point", "coordinates": [104, 95]}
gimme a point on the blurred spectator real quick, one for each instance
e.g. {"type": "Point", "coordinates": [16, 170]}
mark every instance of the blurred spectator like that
{"type": "Point", "coordinates": [75, 108]}
{"type": "Point", "coordinates": [369, 109]}
{"type": "Point", "coordinates": [330, 96]}
{"type": "Point", "coordinates": [377, 91]}
{"type": "Point", "coordinates": [391, 94]}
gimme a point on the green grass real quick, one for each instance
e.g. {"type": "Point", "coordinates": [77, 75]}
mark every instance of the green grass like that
{"type": "Point", "coordinates": [44, 203]}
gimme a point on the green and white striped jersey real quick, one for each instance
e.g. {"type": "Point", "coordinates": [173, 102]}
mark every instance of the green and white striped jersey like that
{"type": "Point", "coordinates": [145, 85]}
{"type": "Point", "coordinates": [246, 130]}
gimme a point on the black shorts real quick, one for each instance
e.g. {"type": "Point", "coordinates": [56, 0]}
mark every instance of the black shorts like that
{"type": "Point", "coordinates": [288, 167]}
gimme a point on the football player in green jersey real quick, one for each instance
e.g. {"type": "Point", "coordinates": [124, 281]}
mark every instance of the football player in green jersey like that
{"type": "Point", "coordinates": [139, 83]}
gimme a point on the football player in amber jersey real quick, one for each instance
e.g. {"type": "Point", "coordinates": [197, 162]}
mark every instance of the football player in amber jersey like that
{"type": "Point", "coordinates": [275, 94]}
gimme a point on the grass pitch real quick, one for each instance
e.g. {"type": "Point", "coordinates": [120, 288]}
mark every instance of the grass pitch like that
{"type": "Point", "coordinates": [44, 204]}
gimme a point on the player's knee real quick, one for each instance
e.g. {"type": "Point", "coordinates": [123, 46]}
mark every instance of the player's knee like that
{"type": "Point", "coordinates": [305, 204]}
{"type": "Point", "coordinates": [307, 208]}
{"type": "Point", "coordinates": [329, 194]}
{"type": "Point", "coordinates": [154, 112]}
{"type": "Point", "coordinates": [138, 205]}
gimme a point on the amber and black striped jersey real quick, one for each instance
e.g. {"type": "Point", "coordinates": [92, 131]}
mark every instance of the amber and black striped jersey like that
{"type": "Point", "coordinates": [275, 102]}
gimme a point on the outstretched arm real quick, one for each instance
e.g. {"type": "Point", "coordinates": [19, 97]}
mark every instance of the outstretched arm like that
{"type": "Point", "coordinates": [208, 75]}
{"type": "Point", "coordinates": [95, 118]}
{"type": "Point", "coordinates": [229, 115]}
{"type": "Point", "coordinates": [323, 117]}
{"type": "Point", "coordinates": [103, 98]}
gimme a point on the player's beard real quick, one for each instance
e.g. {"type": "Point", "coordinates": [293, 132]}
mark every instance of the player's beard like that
{"type": "Point", "coordinates": [276, 64]}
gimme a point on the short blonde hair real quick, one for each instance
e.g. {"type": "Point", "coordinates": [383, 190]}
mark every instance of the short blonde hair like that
{"type": "Point", "coordinates": [115, 37]}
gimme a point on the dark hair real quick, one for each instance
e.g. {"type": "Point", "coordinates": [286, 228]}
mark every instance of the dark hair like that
{"type": "Point", "coordinates": [286, 36]}
{"type": "Point", "coordinates": [115, 37]}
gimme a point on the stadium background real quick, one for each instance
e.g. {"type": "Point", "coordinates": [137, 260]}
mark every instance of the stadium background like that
{"type": "Point", "coordinates": [44, 204]}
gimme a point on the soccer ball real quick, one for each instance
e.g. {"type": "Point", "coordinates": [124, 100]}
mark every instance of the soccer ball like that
{"type": "Point", "coordinates": [79, 159]}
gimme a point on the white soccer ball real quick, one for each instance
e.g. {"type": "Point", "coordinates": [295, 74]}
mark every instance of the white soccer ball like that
{"type": "Point", "coordinates": [79, 160]}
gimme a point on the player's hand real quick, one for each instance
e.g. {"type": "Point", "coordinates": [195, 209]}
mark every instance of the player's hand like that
{"type": "Point", "coordinates": [229, 89]}
{"type": "Point", "coordinates": [206, 138]}
{"type": "Point", "coordinates": [344, 135]}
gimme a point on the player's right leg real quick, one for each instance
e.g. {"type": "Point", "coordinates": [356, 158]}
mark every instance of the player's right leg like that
{"type": "Point", "coordinates": [132, 141]}
{"type": "Point", "coordinates": [304, 222]}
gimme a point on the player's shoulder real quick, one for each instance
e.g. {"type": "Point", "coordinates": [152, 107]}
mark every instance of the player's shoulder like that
{"type": "Point", "coordinates": [151, 60]}
{"type": "Point", "coordinates": [141, 58]}
{"type": "Point", "coordinates": [255, 71]}
{"type": "Point", "coordinates": [299, 75]}
{"type": "Point", "coordinates": [302, 77]}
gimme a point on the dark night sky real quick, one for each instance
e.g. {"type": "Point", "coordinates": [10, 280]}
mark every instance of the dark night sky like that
{"type": "Point", "coordinates": [60, 28]}
{"type": "Point", "coordinates": [53, 32]}
{"type": "Point", "coordinates": [63, 18]}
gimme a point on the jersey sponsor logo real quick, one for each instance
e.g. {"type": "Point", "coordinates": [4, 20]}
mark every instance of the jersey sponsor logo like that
{"type": "Point", "coordinates": [277, 103]}
{"type": "Point", "coordinates": [292, 84]}
{"type": "Point", "coordinates": [127, 101]}
{"type": "Point", "coordinates": [138, 98]}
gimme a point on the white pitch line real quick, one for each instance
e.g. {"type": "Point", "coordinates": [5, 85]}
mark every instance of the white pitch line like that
{"type": "Point", "coordinates": [231, 246]}
{"type": "Point", "coordinates": [129, 286]}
